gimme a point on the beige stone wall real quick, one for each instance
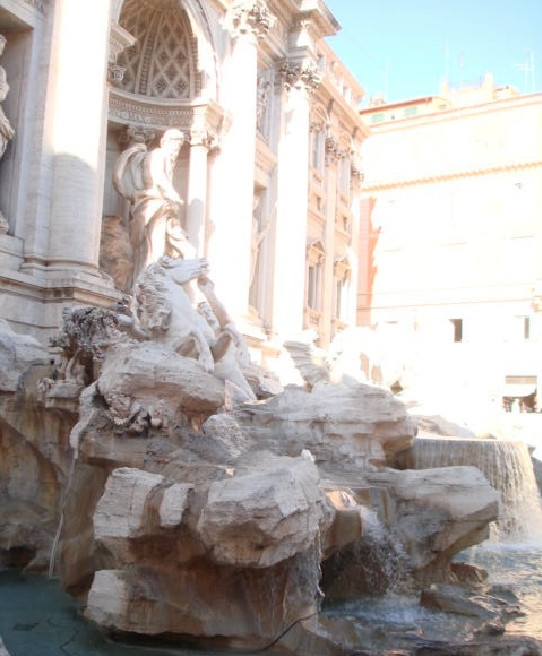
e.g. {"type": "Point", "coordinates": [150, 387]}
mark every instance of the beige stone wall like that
{"type": "Point", "coordinates": [452, 232]}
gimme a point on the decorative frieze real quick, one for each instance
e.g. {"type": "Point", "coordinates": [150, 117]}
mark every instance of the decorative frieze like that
{"type": "Point", "coordinates": [132, 110]}
{"type": "Point", "coordinates": [251, 18]}
{"type": "Point", "coordinates": [295, 74]}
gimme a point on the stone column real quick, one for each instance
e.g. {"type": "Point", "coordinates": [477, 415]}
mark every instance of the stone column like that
{"type": "Point", "coordinates": [231, 212]}
{"type": "Point", "coordinates": [81, 41]}
{"type": "Point", "coordinates": [197, 189]}
{"type": "Point", "coordinates": [355, 239]}
{"type": "Point", "coordinates": [298, 80]}
{"type": "Point", "coordinates": [329, 303]}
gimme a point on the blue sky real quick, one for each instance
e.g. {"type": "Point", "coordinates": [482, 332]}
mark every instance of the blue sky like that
{"type": "Point", "coordinates": [403, 48]}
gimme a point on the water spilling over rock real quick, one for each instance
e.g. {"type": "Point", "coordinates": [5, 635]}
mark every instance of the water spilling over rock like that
{"type": "Point", "coordinates": [508, 467]}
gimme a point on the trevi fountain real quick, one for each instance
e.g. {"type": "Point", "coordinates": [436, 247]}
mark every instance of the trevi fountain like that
{"type": "Point", "coordinates": [162, 494]}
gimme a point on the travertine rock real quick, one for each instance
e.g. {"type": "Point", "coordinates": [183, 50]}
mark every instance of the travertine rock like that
{"type": "Point", "coordinates": [121, 512]}
{"type": "Point", "coordinates": [174, 503]}
{"type": "Point", "coordinates": [263, 517]}
{"type": "Point", "coordinates": [170, 544]}
{"type": "Point", "coordinates": [346, 426]}
{"type": "Point", "coordinates": [17, 354]}
{"type": "Point", "coordinates": [146, 384]}
{"type": "Point", "coordinates": [184, 518]}
{"type": "Point", "coordinates": [435, 513]}
{"type": "Point", "coordinates": [116, 254]}
{"type": "Point", "coordinates": [487, 605]}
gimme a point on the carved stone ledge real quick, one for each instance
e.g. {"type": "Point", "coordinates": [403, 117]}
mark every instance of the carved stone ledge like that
{"type": "Point", "coordinates": [252, 18]}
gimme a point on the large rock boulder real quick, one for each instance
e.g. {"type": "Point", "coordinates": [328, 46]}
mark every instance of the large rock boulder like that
{"type": "Point", "coordinates": [264, 516]}
{"type": "Point", "coordinates": [436, 513]}
{"type": "Point", "coordinates": [235, 560]}
{"type": "Point", "coordinates": [145, 384]}
{"type": "Point", "coordinates": [347, 426]}
{"type": "Point", "coordinates": [34, 453]}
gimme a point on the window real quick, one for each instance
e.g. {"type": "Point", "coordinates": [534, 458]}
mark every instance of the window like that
{"type": "Point", "coordinates": [411, 111]}
{"type": "Point", "coordinates": [312, 287]}
{"type": "Point", "coordinates": [458, 329]}
{"type": "Point", "coordinates": [317, 150]}
{"type": "Point", "coordinates": [322, 64]}
{"type": "Point", "coordinates": [522, 328]}
{"type": "Point", "coordinates": [346, 173]}
{"type": "Point", "coordinates": [526, 328]}
{"type": "Point", "coordinates": [378, 118]}
{"type": "Point", "coordinates": [341, 304]}
{"type": "Point", "coordinates": [316, 255]}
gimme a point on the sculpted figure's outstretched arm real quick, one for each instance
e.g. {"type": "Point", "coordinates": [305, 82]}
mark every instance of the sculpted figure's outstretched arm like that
{"type": "Point", "coordinates": [207, 287]}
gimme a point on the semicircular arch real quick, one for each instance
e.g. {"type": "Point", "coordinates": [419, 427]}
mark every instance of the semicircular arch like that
{"type": "Point", "coordinates": [175, 55]}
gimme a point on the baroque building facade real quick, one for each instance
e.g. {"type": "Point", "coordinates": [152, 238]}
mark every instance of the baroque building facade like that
{"type": "Point", "coordinates": [451, 243]}
{"type": "Point", "coordinates": [266, 178]}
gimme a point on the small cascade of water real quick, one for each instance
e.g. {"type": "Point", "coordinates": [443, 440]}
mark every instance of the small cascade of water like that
{"type": "Point", "coordinates": [507, 466]}
{"type": "Point", "coordinates": [56, 540]}
{"type": "Point", "coordinates": [385, 553]}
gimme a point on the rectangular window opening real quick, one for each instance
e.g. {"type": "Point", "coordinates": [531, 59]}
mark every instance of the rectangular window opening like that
{"type": "Point", "coordinates": [458, 330]}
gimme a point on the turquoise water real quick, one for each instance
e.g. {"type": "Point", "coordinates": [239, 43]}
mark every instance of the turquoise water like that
{"type": "Point", "coordinates": [516, 567]}
{"type": "Point", "coordinates": [519, 568]}
{"type": "Point", "coordinates": [38, 619]}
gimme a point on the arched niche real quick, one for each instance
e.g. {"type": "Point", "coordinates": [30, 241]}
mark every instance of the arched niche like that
{"type": "Point", "coordinates": [165, 50]}
{"type": "Point", "coordinates": [175, 54]}
{"type": "Point", "coordinates": [163, 62]}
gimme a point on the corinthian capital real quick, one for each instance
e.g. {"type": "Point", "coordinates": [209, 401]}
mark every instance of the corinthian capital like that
{"type": "Point", "coordinates": [299, 74]}
{"type": "Point", "coordinates": [251, 18]}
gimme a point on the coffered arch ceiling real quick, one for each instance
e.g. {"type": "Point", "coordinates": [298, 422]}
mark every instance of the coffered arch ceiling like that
{"type": "Point", "coordinates": [163, 63]}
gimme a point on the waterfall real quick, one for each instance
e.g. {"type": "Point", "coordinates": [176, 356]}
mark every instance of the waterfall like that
{"type": "Point", "coordinates": [65, 496]}
{"type": "Point", "coordinates": [508, 467]}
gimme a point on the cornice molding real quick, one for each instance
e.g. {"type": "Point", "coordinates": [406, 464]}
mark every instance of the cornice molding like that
{"type": "Point", "coordinates": [206, 122]}
{"type": "Point", "coordinates": [451, 175]}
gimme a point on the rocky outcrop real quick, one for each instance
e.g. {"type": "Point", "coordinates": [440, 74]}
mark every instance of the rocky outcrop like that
{"type": "Point", "coordinates": [436, 513]}
{"type": "Point", "coordinates": [18, 353]}
{"type": "Point", "coordinates": [419, 521]}
{"type": "Point", "coordinates": [347, 426]}
{"type": "Point", "coordinates": [176, 553]}
{"type": "Point", "coordinates": [145, 385]}
{"type": "Point", "coordinates": [34, 453]}
{"type": "Point", "coordinates": [187, 511]}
